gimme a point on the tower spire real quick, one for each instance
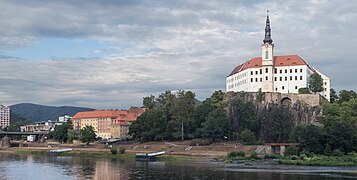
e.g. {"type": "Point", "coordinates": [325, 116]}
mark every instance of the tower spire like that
{"type": "Point", "coordinates": [267, 38]}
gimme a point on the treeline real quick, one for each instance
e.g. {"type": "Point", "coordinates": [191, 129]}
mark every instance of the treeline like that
{"type": "Point", "coordinates": [180, 116]}
{"type": "Point", "coordinates": [177, 116]}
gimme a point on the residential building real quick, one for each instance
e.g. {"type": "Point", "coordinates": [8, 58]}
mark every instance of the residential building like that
{"type": "Point", "coordinates": [4, 116]}
{"type": "Point", "coordinates": [269, 73]}
{"type": "Point", "coordinates": [41, 126]}
{"type": "Point", "coordinates": [108, 124]}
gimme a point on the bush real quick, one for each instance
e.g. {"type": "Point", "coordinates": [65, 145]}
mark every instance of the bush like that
{"type": "Point", "coordinates": [122, 150]}
{"type": "Point", "coordinates": [113, 151]}
{"type": "Point", "coordinates": [236, 154]}
{"type": "Point", "coordinates": [247, 136]}
{"type": "Point", "coordinates": [254, 155]}
{"type": "Point", "coordinates": [337, 152]}
{"type": "Point", "coordinates": [291, 150]}
{"type": "Point", "coordinates": [272, 156]}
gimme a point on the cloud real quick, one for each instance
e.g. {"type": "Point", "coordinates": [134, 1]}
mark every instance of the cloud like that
{"type": "Point", "coordinates": [160, 45]}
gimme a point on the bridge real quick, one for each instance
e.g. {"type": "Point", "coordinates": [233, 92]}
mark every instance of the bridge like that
{"type": "Point", "coordinates": [3, 133]}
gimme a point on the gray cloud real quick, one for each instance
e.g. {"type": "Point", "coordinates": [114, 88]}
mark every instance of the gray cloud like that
{"type": "Point", "coordinates": [160, 45]}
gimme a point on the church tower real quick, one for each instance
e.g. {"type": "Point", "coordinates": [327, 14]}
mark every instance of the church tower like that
{"type": "Point", "coordinates": [267, 59]}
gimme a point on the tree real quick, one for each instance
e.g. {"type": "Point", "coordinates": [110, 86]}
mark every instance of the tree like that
{"type": "Point", "coordinates": [304, 91]}
{"type": "Point", "coordinates": [278, 124]}
{"type": "Point", "coordinates": [315, 83]}
{"type": "Point", "coordinates": [247, 136]}
{"type": "Point", "coordinates": [60, 133]}
{"type": "Point", "coordinates": [216, 125]}
{"type": "Point", "coordinates": [87, 134]}
{"type": "Point", "coordinates": [310, 138]}
{"type": "Point", "coordinates": [342, 136]}
{"type": "Point", "coordinates": [333, 96]}
{"type": "Point", "coordinates": [345, 96]}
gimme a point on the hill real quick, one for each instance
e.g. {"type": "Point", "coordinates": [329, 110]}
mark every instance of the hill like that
{"type": "Point", "coordinates": [36, 112]}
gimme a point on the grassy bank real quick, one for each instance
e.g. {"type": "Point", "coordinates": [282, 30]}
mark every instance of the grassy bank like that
{"type": "Point", "coordinates": [320, 160]}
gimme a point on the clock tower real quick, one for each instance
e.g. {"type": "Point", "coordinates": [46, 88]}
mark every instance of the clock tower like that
{"type": "Point", "coordinates": [267, 59]}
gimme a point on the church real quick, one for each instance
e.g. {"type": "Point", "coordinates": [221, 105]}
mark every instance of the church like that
{"type": "Point", "coordinates": [282, 74]}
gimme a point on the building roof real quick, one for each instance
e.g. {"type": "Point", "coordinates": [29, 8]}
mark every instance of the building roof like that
{"type": "Point", "coordinates": [289, 60]}
{"type": "Point", "coordinates": [130, 114]}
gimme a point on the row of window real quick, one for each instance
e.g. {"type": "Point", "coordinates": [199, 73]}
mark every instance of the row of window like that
{"type": "Point", "coordinates": [276, 71]}
{"type": "Point", "coordinates": [283, 87]}
{"type": "Point", "coordinates": [276, 79]}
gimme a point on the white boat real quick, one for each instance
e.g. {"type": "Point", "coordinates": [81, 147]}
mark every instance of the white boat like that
{"type": "Point", "coordinates": [57, 151]}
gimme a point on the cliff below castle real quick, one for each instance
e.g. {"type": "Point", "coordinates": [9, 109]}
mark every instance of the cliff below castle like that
{"type": "Point", "coordinates": [298, 108]}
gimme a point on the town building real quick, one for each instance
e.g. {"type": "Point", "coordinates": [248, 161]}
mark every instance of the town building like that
{"type": "Point", "coordinates": [108, 124]}
{"type": "Point", "coordinates": [41, 126]}
{"type": "Point", "coordinates": [269, 73]}
{"type": "Point", "coordinates": [4, 116]}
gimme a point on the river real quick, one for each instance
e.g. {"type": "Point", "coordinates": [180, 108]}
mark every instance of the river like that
{"type": "Point", "coordinates": [13, 166]}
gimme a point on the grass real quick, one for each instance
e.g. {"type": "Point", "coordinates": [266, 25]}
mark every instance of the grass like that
{"type": "Point", "coordinates": [321, 160]}
{"type": "Point", "coordinates": [173, 158]}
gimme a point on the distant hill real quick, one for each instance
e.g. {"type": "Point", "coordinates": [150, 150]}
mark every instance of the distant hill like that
{"type": "Point", "coordinates": [36, 112]}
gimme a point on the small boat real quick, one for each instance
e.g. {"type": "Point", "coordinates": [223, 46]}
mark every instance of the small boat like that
{"type": "Point", "coordinates": [58, 151]}
{"type": "Point", "coordinates": [148, 156]}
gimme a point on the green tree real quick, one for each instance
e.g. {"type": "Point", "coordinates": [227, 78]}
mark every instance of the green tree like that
{"type": "Point", "coordinates": [149, 102]}
{"type": "Point", "coordinates": [278, 124]}
{"type": "Point", "coordinates": [310, 138]}
{"type": "Point", "coordinates": [345, 96]}
{"type": "Point", "coordinates": [87, 134]}
{"type": "Point", "coordinates": [333, 96]}
{"type": "Point", "coordinates": [72, 135]}
{"type": "Point", "coordinates": [304, 91]}
{"type": "Point", "coordinates": [315, 83]}
{"type": "Point", "coordinates": [216, 125]}
{"type": "Point", "coordinates": [60, 133]}
{"type": "Point", "coordinates": [341, 135]}
{"type": "Point", "coordinates": [247, 136]}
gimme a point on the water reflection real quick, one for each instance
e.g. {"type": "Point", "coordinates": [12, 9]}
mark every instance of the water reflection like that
{"type": "Point", "coordinates": [58, 167]}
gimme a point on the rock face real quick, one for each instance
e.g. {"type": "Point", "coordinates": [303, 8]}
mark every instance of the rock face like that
{"type": "Point", "coordinates": [302, 109]}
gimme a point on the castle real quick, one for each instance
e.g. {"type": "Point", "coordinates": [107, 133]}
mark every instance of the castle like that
{"type": "Point", "coordinates": [283, 74]}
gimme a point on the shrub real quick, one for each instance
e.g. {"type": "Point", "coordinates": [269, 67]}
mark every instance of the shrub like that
{"type": "Point", "coordinates": [121, 150]}
{"type": "Point", "coordinates": [113, 150]}
{"type": "Point", "coordinates": [272, 156]}
{"type": "Point", "coordinates": [291, 150]}
{"type": "Point", "coordinates": [294, 157]}
{"type": "Point", "coordinates": [236, 154]}
{"type": "Point", "coordinates": [254, 155]}
{"type": "Point", "coordinates": [337, 152]}
{"type": "Point", "coordinates": [247, 136]}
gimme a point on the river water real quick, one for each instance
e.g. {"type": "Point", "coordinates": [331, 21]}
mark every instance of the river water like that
{"type": "Point", "coordinates": [39, 167]}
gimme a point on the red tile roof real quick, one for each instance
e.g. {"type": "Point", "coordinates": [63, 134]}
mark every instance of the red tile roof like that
{"type": "Point", "coordinates": [289, 60]}
{"type": "Point", "coordinates": [130, 114]}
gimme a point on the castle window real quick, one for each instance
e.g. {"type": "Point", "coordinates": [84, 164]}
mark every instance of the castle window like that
{"type": "Point", "coordinates": [274, 78]}
{"type": "Point", "coordinates": [256, 72]}
{"type": "Point", "coordinates": [301, 70]}
{"type": "Point", "coordinates": [251, 79]}
{"type": "Point", "coordinates": [291, 71]}
{"type": "Point", "coordinates": [300, 77]}
{"type": "Point", "coordinates": [261, 79]}
{"type": "Point", "coordinates": [266, 70]}
{"type": "Point", "coordinates": [295, 70]}
{"type": "Point", "coordinates": [266, 78]}
{"type": "Point", "coordinates": [276, 89]}
{"type": "Point", "coordinates": [260, 71]}
{"type": "Point", "coordinates": [286, 78]}
{"type": "Point", "coordinates": [282, 87]}
{"type": "Point", "coordinates": [325, 83]}
{"type": "Point", "coordinates": [286, 71]}
{"type": "Point", "coordinates": [266, 54]}
{"type": "Point", "coordinates": [295, 87]}
{"type": "Point", "coordinates": [295, 78]}
{"type": "Point", "coordinates": [275, 71]}
{"type": "Point", "coordinates": [291, 78]}
{"type": "Point", "coordinates": [256, 79]}
{"type": "Point", "coordinates": [281, 71]}
{"type": "Point", "coordinates": [251, 72]}
{"type": "Point", "coordinates": [281, 78]}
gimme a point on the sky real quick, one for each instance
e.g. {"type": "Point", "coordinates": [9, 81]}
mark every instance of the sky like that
{"type": "Point", "coordinates": [109, 54]}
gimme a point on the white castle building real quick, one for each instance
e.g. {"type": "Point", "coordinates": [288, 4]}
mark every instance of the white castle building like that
{"type": "Point", "coordinates": [283, 74]}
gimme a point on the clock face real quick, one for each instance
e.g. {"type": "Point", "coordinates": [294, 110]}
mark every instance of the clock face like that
{"type": "Point", "coordinates": [266, 45]}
